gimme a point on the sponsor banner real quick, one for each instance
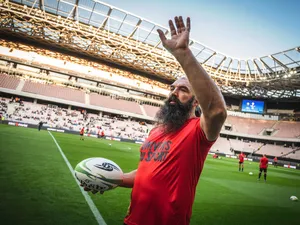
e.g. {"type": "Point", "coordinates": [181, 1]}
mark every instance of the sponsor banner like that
{"type": "Point", "coordinates": [21, 125]}
{"type": "Point", "coordinates": [91, 135]}
{"type": "Point", "coordinates": [270, 163]}
{"type": "Point", "coordinates": [248, 159]}
{"type": "Point", "coordinates": [289, 166]}
{"type": "Point", "coordinates": [231, 156]}
{"type": "Point", "coordinates": [113, 139]}
{"type": "Point", "coordinates": [56, 130]}
{"type": "Point", "coordinates": [138, 142]}
{"type": "Point", "coordinates": [18, 124]}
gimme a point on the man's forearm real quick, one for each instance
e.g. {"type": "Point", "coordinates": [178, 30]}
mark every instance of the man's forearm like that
{"type": "Point", "coordinates": [128, 179]}
{"type": "Point", "coordinates": [206, 91]}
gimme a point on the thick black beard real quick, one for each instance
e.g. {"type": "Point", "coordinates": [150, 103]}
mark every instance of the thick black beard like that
{"type": "Point", "coordinates": [172, 117]}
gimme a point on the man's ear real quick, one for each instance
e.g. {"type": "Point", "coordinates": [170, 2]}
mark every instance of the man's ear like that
{"type": "Point", "coordinates": [195, 103]}
{"type": "Point", "coordinates": [198, 111]}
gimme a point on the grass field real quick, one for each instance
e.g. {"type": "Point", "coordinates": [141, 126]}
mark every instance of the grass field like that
{"type": "Point", "coordinates": [36, 186]}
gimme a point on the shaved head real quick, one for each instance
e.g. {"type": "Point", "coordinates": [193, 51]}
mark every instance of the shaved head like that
{"type": "Point", "coordinates": [183, 81]}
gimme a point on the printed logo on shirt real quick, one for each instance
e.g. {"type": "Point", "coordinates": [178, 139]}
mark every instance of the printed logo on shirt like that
{"type": "Point", "coordinates": [155, 151]}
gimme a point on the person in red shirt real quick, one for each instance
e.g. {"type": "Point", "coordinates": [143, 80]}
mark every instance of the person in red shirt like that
{"type": "Point", "coordinates": [275, 161]}
{"type": "Point", "coordinates": [241, 161]}
{"type": "Point", "coordinates": [215, 156]}
{"type": "Point", "coordinates": [263, 165]}
{"type": "Point", "coordinates": [82, 133]}
{"type": "Point", "coordinates": [102, 134]}
{"type": "Point", "coordinates": [173, 155]}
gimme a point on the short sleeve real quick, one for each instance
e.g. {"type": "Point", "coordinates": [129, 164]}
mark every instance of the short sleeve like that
{"type": "Point", "coordinates": [151, 131]}
{"type": "Point", "coordinates": [202, 135]}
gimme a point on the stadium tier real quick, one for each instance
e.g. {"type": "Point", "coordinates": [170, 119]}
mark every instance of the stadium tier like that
{"type": "Point", "coordinates": [9, 82]}
{"type": "Point", "coordinates": [60, 118]}
{"type": "Point", "coordinates": [287, 129]}
{"type": "Point", "coordinates": [249, 126]}
{"type": "Point", "coordinates": [73, 120]}
{"type": "Point", "coordinates": [55, 117]}
{"type": "Point", "coordinates": [54, 91]}
{"type": "Point", "coordinates": [245, 126]}
{"type": "Point", "coordinates": [118, 104]}
{"type": "Point", "coordinates": [283, 129]}
{"type": "Point", "coordinates": [228, 146]}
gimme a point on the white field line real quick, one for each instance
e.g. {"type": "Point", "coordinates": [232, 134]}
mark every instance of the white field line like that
{"type": "Point", "coordinates": [88, 199]}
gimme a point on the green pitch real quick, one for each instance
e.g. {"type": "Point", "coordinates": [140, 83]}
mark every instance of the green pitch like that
{"type": "Point", "coordinates": [36, 186]}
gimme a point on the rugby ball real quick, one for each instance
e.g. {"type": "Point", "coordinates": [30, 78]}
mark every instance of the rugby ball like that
{"type": "Point", "coordinates": [98, 174]}
{"type": "Point", "coordinates": [294, 198]}
{"type": "Point", "coordinates": [250, 173]}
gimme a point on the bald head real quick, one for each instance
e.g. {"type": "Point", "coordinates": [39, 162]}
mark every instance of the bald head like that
{"type": "Point", "coordinates": [183, 81]}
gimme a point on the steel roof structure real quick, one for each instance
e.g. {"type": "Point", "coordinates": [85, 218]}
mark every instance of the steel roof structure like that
{"type": "Point", "coordinates": [99, 30]}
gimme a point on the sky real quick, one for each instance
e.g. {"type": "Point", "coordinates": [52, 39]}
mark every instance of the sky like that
{"type": "Point", "coordinates": [237, 28]}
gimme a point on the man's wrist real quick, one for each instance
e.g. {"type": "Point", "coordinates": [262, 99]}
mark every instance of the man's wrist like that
{"type": "Point", "coordinates": [181, 52]}
{"type": "Point", "coordinates": [183, 55]}
{"type": "Point", "coordinates": [121, 184]}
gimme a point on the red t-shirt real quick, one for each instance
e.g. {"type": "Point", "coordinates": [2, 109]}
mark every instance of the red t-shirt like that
{"type": "Point", "coordinates": [241, 156]}
{"type": "Point", "coordinates": [167, 176]}
{"type": "Point", "coordinates": [82, 131]}
{"type": "Point", "coordinates": [275, 159]}
{"type": "Point", "coordinates": [263, 163]}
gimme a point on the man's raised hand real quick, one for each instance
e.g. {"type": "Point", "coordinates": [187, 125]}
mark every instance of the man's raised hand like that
{"type": "Point", "coordinates": [179, 36]}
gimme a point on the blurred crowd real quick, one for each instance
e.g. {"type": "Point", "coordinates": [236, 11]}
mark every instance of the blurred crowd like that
{"type": "Point", "coordinates": [73, 120]}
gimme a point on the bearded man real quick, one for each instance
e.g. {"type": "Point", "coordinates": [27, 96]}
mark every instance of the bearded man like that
{"type": "Point", "coordinates": [172, 157]}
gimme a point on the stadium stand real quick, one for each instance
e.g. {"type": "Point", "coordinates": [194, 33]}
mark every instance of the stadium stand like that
{"type": "Point", "coordinates": [222, 145]}
{"type": "Point", "coordinates": [8, 82]}
{"type": "Point", "coordinates": [287, 129]}
{"type": "Point", "coordinates": [249, 126]}
{"type": "Point", "coordinates": [248, 146]}
{"type": "Point", "coordinates": [151, 110]}
{"type": "Point", "coordinates": [57, 117]}
{"type": "Point", "coordinates": [112, 103]}
{"type": "Point", "coordinates": [273, 150]}
{"type": "Point", "coordinates": [54, 91]}
{"type": "Point", "coordinates": [295, 154]}
{"type": "Point", "coordinates": [3, 106]}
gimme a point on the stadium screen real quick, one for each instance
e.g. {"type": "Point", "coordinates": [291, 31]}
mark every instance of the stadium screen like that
{"type": "Point", "coordinates": [253, 106]}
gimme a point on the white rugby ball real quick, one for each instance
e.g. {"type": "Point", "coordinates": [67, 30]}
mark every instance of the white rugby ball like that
{"type": "Point", "coordinates": [98, 174]}
{"type": "Point", "coordinates": [250, 173]}
{"type": "Point", "coordinates": [294, 198]}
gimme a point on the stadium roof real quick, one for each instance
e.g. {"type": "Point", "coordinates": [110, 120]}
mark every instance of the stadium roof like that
{"type": "Point", "coordinates": [107, 32]}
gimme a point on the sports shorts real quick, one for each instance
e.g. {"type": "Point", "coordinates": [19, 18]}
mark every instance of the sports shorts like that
{"type": "Point", "coordinates": [263, 169]}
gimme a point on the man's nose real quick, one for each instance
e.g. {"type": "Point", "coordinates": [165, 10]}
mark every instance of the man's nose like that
{"type": "Point", "coordinates": [174, 92]}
